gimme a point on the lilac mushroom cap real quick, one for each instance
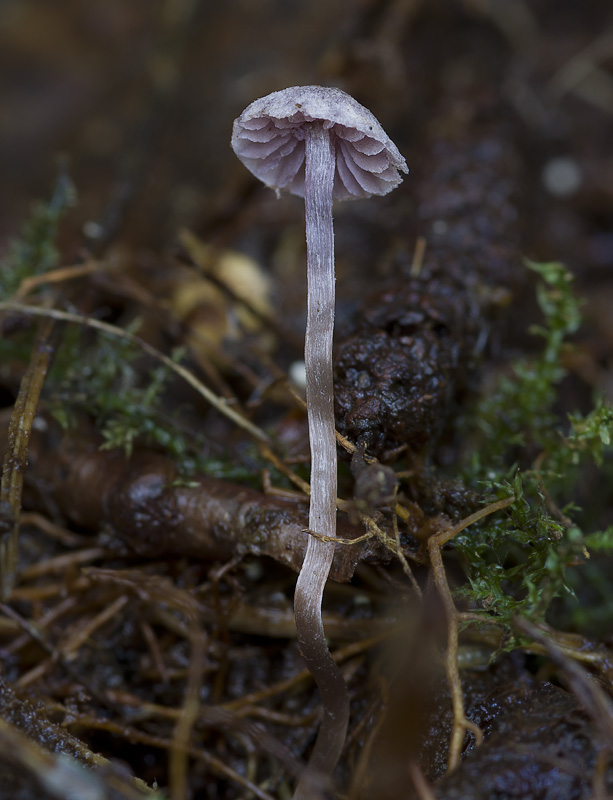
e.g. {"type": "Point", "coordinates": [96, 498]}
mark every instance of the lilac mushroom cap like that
{"type": "Point", "coordinates": [269, 138]}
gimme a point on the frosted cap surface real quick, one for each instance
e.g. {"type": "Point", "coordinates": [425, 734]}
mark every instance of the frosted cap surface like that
{"type": "Point", "coordinates": [269, 138]}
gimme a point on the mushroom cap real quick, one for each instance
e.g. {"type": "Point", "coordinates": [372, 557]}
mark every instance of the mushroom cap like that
{"type": "Point", "coordinates": [269, 138]}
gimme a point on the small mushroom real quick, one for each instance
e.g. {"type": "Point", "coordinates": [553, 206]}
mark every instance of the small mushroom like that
{"type": "Point", "coordinates": [321, 144]}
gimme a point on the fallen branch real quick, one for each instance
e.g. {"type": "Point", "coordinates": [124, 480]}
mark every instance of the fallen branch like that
{"type": "Point", "coordinates": [145, 508]}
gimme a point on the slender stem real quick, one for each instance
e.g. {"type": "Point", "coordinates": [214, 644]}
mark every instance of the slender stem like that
{"type": "Point", "coordinates": [318, 187]}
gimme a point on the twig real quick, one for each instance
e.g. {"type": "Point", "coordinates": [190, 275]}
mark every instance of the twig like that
{"type": "Point", "coordinates": [100, 619]}
{"type": "Point", "coordinates": [64, 653]}
{"type": "Point", "coordinates": [340, 655]}
{"type": "Point", "coordinates": [179, 786]}
{"type": "Point", "coordinates": [422, 787]}
{"type": "Point", "coordinates": [221, 718]}
{"type": "Point", "coordinates": [418, 256]}
{"type": "Point", "coordinates": [219, 403]}
{"type": "Point", "coordinates": [57, 656]}
{"type": "Point", "coordinates": [65, 606]}
{"type": "Point", "coordinates": [44, 524]}
{"type": "Point", "coordinates": [16, 457]}
{"type": "Point", "coordinates": [61, 562]}
{"type": "Point", "coordinates": [460, 723]}
{"type": "Point", "coordinates": [582, 65]}
{"type": "Point", "coordinates": [372, 528]}
{"type": "Point", "coordinates": [402, 558]}
{"type": "Point", "coordinates": [154, 649]}
{"type": "Point", "coordinates": [446, 535]}
{"type": "Point", "coordinates": [435, 544]}
{"type": "Point", "coordinates": [134, 735]}
{"type": "Point", "coordinates": [594, 700]}
{"type": "Point", "coordinates": [285, 470]}
{"type": "Point", "coordinates": [56, 276]}
{"type": "Point", "coordinates": [338, 539]}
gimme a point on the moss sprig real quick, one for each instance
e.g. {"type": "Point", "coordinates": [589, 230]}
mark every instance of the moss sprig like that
{"type": "Point", "coordinates": [518, 561]}
{"type": "Point", "coordinates": [34, 251]}
{"type": "Point", "coordinates": [109, 381]}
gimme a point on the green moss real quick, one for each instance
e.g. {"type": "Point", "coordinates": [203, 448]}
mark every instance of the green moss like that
{"type": "Point", "coordinates": [111, 382]}
{"type": "Point", "coordinates": [35, 252]}
{"type": "Point", "coordinates": [518, 410]}
{"type": "Point", "coordinates": [518, 561]}
{"type": "Point", "coordinates": [32, 253]}
{"type": "Point", "coordinates": [108, 380]}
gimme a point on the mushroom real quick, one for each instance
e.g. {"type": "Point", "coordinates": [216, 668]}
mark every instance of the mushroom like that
{"type": "Point", "coordinates": [321, 144]}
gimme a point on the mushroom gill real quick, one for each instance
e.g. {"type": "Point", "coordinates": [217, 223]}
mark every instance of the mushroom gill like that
{"type": "Point", "coordinates": [269, 137]}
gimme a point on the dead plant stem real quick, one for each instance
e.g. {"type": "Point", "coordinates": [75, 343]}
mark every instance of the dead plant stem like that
{"type": "Point", "coordinates": [219, 403]}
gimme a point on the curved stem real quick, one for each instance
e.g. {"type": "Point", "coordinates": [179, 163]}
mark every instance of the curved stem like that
{"type": "Point", "coordinates": [318, 187]}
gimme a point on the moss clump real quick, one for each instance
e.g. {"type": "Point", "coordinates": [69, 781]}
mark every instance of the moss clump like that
{"type": "Point", "coordinates": [35, 251]}
{"type": "Point", "coordinates": [111, 382]}
{"type": "Point", "coordinates": [519, 560]}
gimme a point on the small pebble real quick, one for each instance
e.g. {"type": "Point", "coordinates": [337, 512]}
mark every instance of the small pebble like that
{"type": "Point", "coordinates": [561, 177]}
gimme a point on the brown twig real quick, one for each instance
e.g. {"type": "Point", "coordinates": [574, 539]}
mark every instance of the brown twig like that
{"type": "Point", "coordinates": [63, 562]}
{"type": "Point", "coordinates": [340, 655]}
{"type": "Point", "coordinates": [154, 648]}
{"type": "Point", "coordinates": [56, 655]}
{"type": "Point", "coordinates": [593, 698]}
{"type": "Point", "coordinates": [422, 787]}
{"type": "Point", "coordinates": [66, 605]}
{"type": "Point", "coordinates": [178, 772]}
{"type": "Point", "coordinates": [132, 734]}
{"type": "Point", "coordinates": [82, 630]}
{"type": "Point", "coordinates": [402, 558]}
{"type": "Point", "coordinates": [57, 532]}
{"type": "Point", "coordinates": [16, 457]}
{"type": "Point", "coordinates": [223, 719]}
{"type": "Point", "coordinates": [219, 403]}
{"type": "Point", "coordinates": [418, 256]}
{"type": "Point", "coordinates": [461, 724]}
{"type": "Point", "coordinates": [56, 276]}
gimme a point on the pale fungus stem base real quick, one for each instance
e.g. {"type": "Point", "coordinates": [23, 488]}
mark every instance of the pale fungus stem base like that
{"type": "Point", "coordinates": [319, 184]}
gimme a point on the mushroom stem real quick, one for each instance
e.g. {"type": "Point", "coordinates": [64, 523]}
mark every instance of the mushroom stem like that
{"type": "Point", "coordinates": [346, 153]}
{"type": "Point", "coordinates": [318, 188]}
